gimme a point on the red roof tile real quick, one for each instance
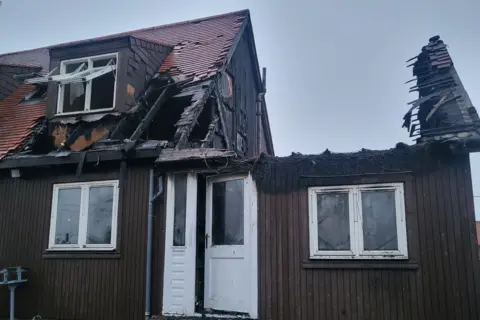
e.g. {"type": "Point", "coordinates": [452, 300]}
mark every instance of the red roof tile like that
{"type": "Point", "coordinates": [17, 120]}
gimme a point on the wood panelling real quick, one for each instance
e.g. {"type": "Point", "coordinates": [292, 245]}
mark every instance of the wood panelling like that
{"type": "Point", "coordinates": [245, 92]}
{"type": "Point", "coordinates": [75, 286]}
{"type": "Point", "coordinates": [439, 281]}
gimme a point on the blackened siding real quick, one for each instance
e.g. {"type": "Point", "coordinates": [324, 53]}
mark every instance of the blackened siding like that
{"type": "Point", "coordinates": [8, 83]}
{"type": "Point", "coordinates": [97, 286]}
{"type": "Point", "coordinates": [440, 280]}
{"type": "Point", "coordinates": [143, 61]}
{"type": "Point", "coordinates": [245, 91]}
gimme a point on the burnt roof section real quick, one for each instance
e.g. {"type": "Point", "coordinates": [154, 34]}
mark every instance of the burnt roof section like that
{"type": "Point", "coordinates": [443, 110]}
{"type": "Point", "coordinates": [201, 48]}
{"type": "Point", "coordinates": [299, 171]}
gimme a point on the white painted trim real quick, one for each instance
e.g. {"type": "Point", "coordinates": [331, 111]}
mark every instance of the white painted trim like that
{"type": "Point", "coordinates": [253, 250]}
{"type": "Point", "coordinates": [187, 252]}
{"type": "Point", "coordinates": [356, 223]}
{"type": "Point", "coordinates": [89, 77]}
{"type": "Point", "coordinates": [82, 232]}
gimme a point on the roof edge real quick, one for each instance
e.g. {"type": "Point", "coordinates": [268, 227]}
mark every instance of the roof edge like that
{"type": "Point", "coordinates": [130, 32]}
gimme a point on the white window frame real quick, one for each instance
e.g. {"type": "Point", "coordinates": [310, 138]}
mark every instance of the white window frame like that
{"type": "Point", "coordinates": [83, 219]}
{"type": "Point", "coordinates": [85, 76]}
{"type": "Point", "coordinates": [356, 223]}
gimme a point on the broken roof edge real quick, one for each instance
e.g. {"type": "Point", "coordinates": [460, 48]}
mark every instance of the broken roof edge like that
{"type": "Point", "coordinates": [173, 155]}
{"type": "Point", "coordinates": [131, 32]}
{"type": "Point", "coordinates": [247, 28]}
{"type": "Point", "coordinates": [25, 66]}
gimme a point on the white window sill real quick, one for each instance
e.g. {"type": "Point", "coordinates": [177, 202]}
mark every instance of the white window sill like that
{"type": "Point", "coordinates": [362, 257]}
{"type": "Point", "coordinates": [359, 264]}
{"type": "Point", "coordinates": [66, 114]}
{"type": "Point", "coordinates": [77, 249]}
{"type": "Point", "coordinates": [80, 254]}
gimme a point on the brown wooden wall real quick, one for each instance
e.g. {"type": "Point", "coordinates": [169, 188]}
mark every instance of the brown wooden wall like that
{"type": "Point", "coordinates": [75, 286]}
{"type": "Point", "coordinates": [440, 280]}
{"type": "Point", "coordinates": [243, 119]}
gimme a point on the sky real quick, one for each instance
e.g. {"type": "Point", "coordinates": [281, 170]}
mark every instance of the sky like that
{"type": "Point", "coordinates": [335, 68]}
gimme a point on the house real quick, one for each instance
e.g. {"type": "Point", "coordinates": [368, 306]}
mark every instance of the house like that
{"type": "Point", "coordinates": [138, 179]}
{"type": "Point", "coordinates": [99, 140]}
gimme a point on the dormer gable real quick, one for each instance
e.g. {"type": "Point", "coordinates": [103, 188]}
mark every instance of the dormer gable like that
{"type": "Point", "coordinates": [99, 76]}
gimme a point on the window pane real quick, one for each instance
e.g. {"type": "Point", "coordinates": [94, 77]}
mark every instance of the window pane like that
{"type": "Point", "coordinates": [103, 87]}
{"type": "Point", "coordinates": [68, 214]}
{"type": "Point", "coordinates": [100, 207]}
{"type": "Point", "coordinates": [379, 220]}
{"type": "Point", "coordinates": [74, 96]}
{"type": "Point", "coordinates": [70, 67]}
{"type": "Point", "coordinates": [227, 212]}
{"type": "Point", "coordinates": [180, 209]}
{"type": "Point", "coordinates": [333, 221]}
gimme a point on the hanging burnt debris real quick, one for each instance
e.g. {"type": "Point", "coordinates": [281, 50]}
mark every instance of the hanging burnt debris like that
{"type": "Point", "coordinates": [443, 110]}
{"type": "Point", "coordinates": [170, 109]}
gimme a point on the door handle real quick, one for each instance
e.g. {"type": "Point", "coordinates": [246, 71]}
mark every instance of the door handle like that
{"type": "Point", "coordinates": [206, 240]}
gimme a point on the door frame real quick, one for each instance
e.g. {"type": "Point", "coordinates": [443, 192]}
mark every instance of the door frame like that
{"type": "Point", "coordinates": [250, 233]}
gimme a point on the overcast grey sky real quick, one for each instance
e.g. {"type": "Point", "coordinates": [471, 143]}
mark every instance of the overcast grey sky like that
{"type": "Point", "coordinates": [336, 69]}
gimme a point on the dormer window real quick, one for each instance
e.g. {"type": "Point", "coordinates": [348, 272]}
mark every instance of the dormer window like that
{"type": "Point", "coordinates": [85, 84]}
{"type": "Point", "coordinates": [89, 85]}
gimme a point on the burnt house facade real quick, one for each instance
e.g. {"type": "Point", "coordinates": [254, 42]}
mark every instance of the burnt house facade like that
{"type": "Point", "coordinates": [110, 150]}
{"type": "Point", "coordinates": [138, 179]}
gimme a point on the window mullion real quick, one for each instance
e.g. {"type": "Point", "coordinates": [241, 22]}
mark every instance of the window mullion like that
{"type": "Point", "coordinates": [82, 234]}
{"type": "Point", "coordinates": [88, 93]}
{"type": "Point", "coordinates": [359, 223]}
{"type": "Point", "coordinates": [313, 223]}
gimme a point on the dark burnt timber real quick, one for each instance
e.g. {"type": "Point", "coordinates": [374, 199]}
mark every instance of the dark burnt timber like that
{"type": "Point", "coordinates": [443, 110]}
{"type": "Point", "coordinates": [145, 123]}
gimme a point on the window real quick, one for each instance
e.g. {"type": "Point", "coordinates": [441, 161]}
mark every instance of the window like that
{"type": "Point", "coordinates": [180, 209]}
{"type": "Point", "coordinates": [84, 216]}
{"type": "Point", "coordinates": [228, 212]}
{"type": "Point", "coordinates": [358, 222]}
{"type": "Point", "coordinates": [91, 86]}
{"type": "Point", "coordinates": [85, 84]}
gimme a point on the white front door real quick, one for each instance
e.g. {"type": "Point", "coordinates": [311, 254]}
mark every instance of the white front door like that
{"type": "Point", "coordinates": [230, 254]}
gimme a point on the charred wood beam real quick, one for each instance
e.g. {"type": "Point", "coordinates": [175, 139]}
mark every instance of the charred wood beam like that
{"type": "Point", "coordinates": [72, 137]}
{"type": "Point", "coordinates": [125, 122]}
{"type": "Point", "coordinates": [221, 116]}
{"type": "Point", "coordinates": [93, 156]}
{"type": "Point", "coordinates": [189, 118]}
{"type": "Point", "coordinates": [212, 128]}
{"type": "Point", "coordinates": [437, 106]}
{"type": "Point", "coordinates": [147, 120]}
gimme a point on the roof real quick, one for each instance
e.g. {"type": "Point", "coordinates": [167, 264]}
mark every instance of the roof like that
{"type": "Point", "coordinates": [301, 168]}
{"type": "Point", "coordinates": [200, 47]}
{"type": "Point", "coordinates": [200, 50]}
{"type": "Point", "coordinates": [18, 119]}
{"type": "Point", "coordinates": [443, 110]}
